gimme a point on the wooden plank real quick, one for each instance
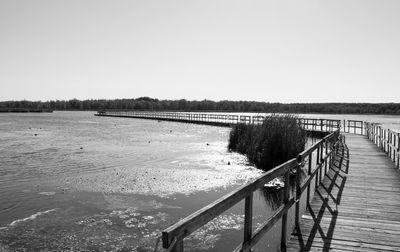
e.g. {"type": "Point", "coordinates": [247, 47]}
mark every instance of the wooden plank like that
{"type": "Point", "coordinates": [368, 197]}
{"type": "Point", "coordinates": [350, 245]}
{"type": "Point", "coordinates": [248, 220]}
{"type": "Point", "coordinates": [386, 242]}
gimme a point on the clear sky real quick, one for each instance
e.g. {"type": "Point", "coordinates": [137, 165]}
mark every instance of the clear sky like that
{"type": "Point", "coordinates": [273, 51]}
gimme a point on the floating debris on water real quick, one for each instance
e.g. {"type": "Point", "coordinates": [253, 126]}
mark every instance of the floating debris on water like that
{"type": "Point", "coordinates": [47, 193]}
{"type": "Point", "coordinates": [275, 184]}
{"type": "Point", "coordinates": [206, 237]}
{"type": "Point", "coordinates": [32, 217]}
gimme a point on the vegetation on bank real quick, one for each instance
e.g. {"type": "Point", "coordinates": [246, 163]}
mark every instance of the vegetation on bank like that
{"type": "Point", "coordinates": [24, 110]}
{"type": "Point", "coordinates": [278, 139]}
{"type": "Point", "coordinates": [146, 103]}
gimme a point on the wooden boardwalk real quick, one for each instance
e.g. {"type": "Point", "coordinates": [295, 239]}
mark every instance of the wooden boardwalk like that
{"type": "Point", "coordinates": [357, 208]}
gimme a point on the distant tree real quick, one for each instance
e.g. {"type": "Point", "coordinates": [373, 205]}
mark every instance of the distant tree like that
{"type": "Point", "coordinates": [147, 103]}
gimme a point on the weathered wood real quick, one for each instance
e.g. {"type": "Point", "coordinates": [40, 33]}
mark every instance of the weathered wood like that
{"type": "Point", "coordinates": [368, 198]}
{"type": "Point", "coordinates": [248, 220]}
{"type": "Point", "coordinates": [311, 125]}
{"type": "Point", "coordinates": [267, 225]}
{"type": "Point", "coordinates": [286, 193]}
{"type": "Point", "coordinates": [191, 223]}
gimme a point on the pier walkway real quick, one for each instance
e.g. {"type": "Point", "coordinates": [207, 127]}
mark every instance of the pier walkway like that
{"type": "Point", "coordinates": [357, 207]}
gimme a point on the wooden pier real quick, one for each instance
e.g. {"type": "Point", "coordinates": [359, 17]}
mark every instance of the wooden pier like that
{"type": "Point", "coordinates": [356, 202]}
{"type": "Point", "coordinates": [357, 207]}
{"type": "Point", "coordinates": [229, 119]}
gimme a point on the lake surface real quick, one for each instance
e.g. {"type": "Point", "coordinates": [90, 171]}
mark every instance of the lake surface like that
{"type": "Point", "coordinates": [70, 180]}
{"type": "Point", "coordinates": [73, 181]}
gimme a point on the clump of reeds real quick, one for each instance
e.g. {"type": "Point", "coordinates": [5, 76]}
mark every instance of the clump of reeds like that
{"type": "Point", "coordinates": [278, 139]}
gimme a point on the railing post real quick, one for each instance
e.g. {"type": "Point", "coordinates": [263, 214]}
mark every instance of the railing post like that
{"type": "Point", "coordinates": [398, 150]}
{"type": "Point", "coordinates": [390, 144]}
{"type": "Point", "coordinates": [322, 163]}
{"type": "Point", "coordinates": [309, 174]}
{"type": "Point", "coordinates": [248, 219]}
{"type": "Point", "coordinates": [393, 139]}
{"type": "Point", "coordinates": [387, 140]}
{"type": "Point", "coordinates": [344, 125]}
{"type": "Point", "coordinates": [383, 139]}
{"type": "Point", "coordinates": [322, 124]}
{"type": "Point", "coordinates": [284, 217]}
{"type": "Point", "coordinates": [298, 195]}
{"type": "Point", "coordinates": [326, 153]}
{"type": "Point", "coordinates": [317, 163]}
{"type": "Point", "coordinates": [178, 246]}
{"type": "Point", "coordinates": [362, 128]}
{"type": "Point", "coordinates": [393, 146]}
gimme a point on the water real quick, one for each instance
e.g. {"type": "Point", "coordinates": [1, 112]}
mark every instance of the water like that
{"type": "Point", "coordinates": [70, 180]}
{"type": "Point", "coordinates": [73, 181]}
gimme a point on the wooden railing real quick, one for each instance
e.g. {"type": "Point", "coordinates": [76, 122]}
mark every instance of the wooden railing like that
{"type": "Point", "coordinates": [325, 125]}
{"type": "Point", "coordinates": [320, 124]}
{"type": "Point", "coordinates": [353, 126]}
{"type": "Point", "coordinates": [323, 152]}
{"type": "Point", "coordinates": [386, 139]}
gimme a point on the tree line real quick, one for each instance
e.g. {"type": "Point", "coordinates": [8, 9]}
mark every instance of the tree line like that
{"type": "Point", "coordinates": [147, 103]}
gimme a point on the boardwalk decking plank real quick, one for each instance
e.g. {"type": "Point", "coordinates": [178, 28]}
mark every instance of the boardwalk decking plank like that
{"type": "Point", "coordinates": [360, 245]}
{"type": "Point", "coordinates": [348, 237]}
{"type": "Point", "coordinates": [368, 196]}
{"type": "Point", "coordinates": [382, 232]}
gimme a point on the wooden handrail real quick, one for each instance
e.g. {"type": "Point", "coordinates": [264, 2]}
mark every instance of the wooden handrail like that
{"type": "Point", "coordinates": [386, 139]}
{"type": "Point", "coordinates": [311, 124]}
{"type": "Point", "coordinates": [191, 223]}
{"type": "Point", "coordinates": [194, 221]}
{"type": "Point", "coordinates": [327, 125]}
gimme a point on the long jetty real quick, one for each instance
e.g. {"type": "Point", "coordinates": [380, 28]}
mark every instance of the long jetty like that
{"type": "Point", "coordinates": [229, 119]}
{"type": "Point", "coordinates": [351, 188]}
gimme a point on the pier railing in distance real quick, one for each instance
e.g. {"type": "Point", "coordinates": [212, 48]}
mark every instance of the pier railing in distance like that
{"type": "Point", "coordinates": [312, 124]}
{"type": "Point", "coordinates": [323, 152]}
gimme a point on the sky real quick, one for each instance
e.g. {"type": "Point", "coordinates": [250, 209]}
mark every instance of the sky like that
{"type": "Point", "coordinates": [273, 51]}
